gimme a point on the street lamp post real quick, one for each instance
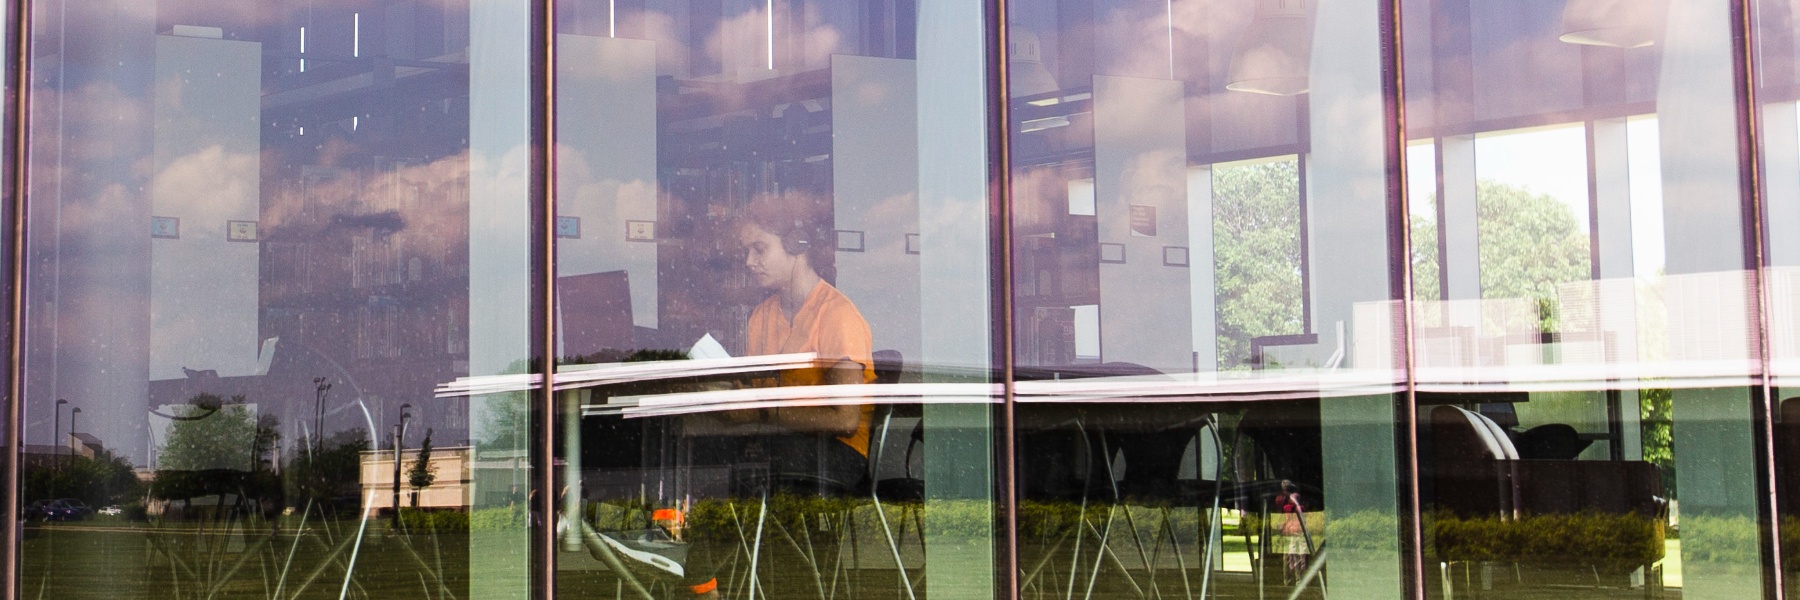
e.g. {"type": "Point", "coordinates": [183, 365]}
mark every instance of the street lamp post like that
{"type": "Point", "coordinates": [320, 389]}
{"type": "Point", "coordinates": [71, 441]}
{"type": "Point", "coordinates": [398, 428]}
{"type": "Point", "coordinates": [56, 423]}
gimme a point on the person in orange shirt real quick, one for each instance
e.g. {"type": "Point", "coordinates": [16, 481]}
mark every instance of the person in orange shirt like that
{"type": "Point", "coordinates": [829, 446]}
{"type": "Point", "coordinates": [804, 314]}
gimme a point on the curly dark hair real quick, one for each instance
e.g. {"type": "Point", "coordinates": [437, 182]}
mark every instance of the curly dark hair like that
{"type": "Point", "coordinates": [796, 216]}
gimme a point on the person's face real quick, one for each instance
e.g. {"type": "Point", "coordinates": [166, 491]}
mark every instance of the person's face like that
{"type": "Point", "coordinates": [768, 262]}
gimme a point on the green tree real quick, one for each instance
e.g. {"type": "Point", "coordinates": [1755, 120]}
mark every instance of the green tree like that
{"type": "Point", "coordinates": [1656, 409]}
{"type": "Point", "coordinates": [329, 477]}
{"type": "Point", "coordinates": [101, 480]}
{"type": "Point", "coordinates": [216, 447]}
{"type": "Point", "coordinates": [1425, 255]}
{"type": "Point", "coordinates": [214, 434]}
{"type": "Point", "coordinates": [422, 473]}
{"type": "Point", "coordinates": [501, 421]}
{"type": "Point", "coordinates": [1256, 247]}
{"type": "Point", "coordinates": [1529, 244]}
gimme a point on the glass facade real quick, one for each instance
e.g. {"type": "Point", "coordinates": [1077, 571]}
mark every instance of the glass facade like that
{"type": "Point", "coordinates": [902, 298]}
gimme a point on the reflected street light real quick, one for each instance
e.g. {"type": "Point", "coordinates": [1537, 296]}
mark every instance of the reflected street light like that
{"type": "Point", "coordinates": [320, 390]}
{"type": "Point", "coordinates": [399, 429]}
{"type": "Point", "coordinates": [56, 423]}
{"type": "Point", "coordinates": [71, 441]}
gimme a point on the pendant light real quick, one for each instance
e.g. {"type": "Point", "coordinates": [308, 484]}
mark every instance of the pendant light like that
{"type": "Point", "coordinates": [1025, 60]}
{"type": "Point", "coordinates": [1615, 23]}
{"type": "Point", "coordinates": [1274, 54]}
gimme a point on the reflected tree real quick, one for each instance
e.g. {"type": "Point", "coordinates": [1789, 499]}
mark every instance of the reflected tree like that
{"type": "Point", "coordinates": [1656, 408]}
{"type": "Point", "coordinates": [422, 473]}
{"type": "Point", "coordinates": [1426, 268]}
{"type": "Point", "coordinates": [327, 479]}
{"type": "Point", "coordinates": [1256, 248]}
{"type": "Point", "coordinates": [1529, 244]}
{"type": "Point", "coordinates": [100, 480]}
{"type": "Point", "coordinates": [218, 448]}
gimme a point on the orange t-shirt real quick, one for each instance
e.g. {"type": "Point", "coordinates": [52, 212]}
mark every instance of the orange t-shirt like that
{"type": "Point", "coordinates": [829, 325]}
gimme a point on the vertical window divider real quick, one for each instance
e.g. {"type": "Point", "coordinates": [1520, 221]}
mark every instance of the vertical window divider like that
{"type": "Point", "coordinates": [1593, 197]}
{"type": "Point", "coordinates": [1301, 192]}
{"type": "Point", "coordinates": [1000, 182]}
{"type": "Point", "coordinates": [1756, 252]}
{"type": "Point", "coordinates": [17, 176]}
{"type": "Point", "coordinates": [1412, 545]}
{"type": "Point", "coordinates": [542, 136]}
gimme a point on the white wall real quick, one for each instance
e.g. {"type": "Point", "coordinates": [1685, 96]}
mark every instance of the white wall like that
{"type": "Point", "coordinates": [207, 137]}
{"type": "Point", "coordinates": [875, 178]}
{"type": "Point", "coordinates": [1140, 160]}
{"type": "Point", "coordinates": [606, 160]}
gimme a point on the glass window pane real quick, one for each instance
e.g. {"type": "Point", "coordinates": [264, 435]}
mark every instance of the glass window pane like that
{"type": "Point", "coordinates": [1204, 314]}
{"type": "Point", "coordinates": [773, 283]}
{"type": "Point", "coordinates": [262, 235]}
{"type": "Point", "coordinates": [1586, 354]}
{"type": "Point", "coordinates": [1777, 33]}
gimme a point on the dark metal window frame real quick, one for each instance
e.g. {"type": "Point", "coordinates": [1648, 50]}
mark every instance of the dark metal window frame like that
{"type": "Point", "coordinates": [542, 186]}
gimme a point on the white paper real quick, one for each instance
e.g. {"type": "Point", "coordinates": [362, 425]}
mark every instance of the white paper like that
{"type": "Point", "coordinates": [708, 347]}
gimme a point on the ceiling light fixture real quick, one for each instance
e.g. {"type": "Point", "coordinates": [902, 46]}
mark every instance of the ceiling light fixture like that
{"type": "Point", "coordinates": [1614, 23]}
{"type": "Point", "coordinates": [1275, 53]}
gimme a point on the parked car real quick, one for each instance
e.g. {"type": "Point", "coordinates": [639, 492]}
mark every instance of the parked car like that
{"type": "Point", "coordinates": [52, 510]}
{"type": "Point", "coordinates": [112, 511]}
{"type": "Point", "coordinates": [81, 509]}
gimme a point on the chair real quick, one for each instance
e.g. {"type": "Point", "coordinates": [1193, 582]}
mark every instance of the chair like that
{"type": "Point", "coordinates": [1787, 453]}
{"type": "Point", "coordinates": [904, 487]}
{"type": "Point", "coordinates": [1152, 475]}
{"type": "Point", "coordinates": [595, 312]}
{"type": "Point", "coordinates": [1473, 460]}
{"type": "Point", "coordinates": [1479, 473]}
{"type": "Point", "coordinates": [1551, 441]}
{"type": "Point", "coordinates": [1112, 456]}
{"type": "Point", "coordinates": [881, 485]}
{"type": "Point", "coordinates": [1486, 474]}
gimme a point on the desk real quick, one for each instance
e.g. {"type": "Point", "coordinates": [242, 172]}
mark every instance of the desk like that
{"type": "Point", "coordinates": [576, 376]}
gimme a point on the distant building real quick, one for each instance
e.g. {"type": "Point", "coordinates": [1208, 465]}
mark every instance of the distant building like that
{"type": "Point", "coordinates": [37, 456]}
{"type": "Point", "coordinates": [452, 489]}
{"type": "Point", "coordinates": [85, 444]}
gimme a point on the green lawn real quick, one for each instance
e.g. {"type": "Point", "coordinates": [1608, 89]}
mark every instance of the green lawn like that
{"type": "Point", "coordinates": [119, 560]}
{"type": "Point", "coordinates": [122, 560]}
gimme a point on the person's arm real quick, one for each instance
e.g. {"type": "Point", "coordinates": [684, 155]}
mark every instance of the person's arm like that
{"type": "Point", "coordinates": [839, 420]}
{"type": "Point", "coordinates": [836, 420]}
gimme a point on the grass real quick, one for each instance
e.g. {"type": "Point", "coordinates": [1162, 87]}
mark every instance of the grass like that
{"type": "Point", "coordinates": [121, 560]}
{"type": "Point", "coordinates": [116, 559]}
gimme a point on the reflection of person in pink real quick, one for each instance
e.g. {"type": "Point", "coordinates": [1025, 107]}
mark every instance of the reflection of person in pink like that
{"type": "Point", "coordinates": [1293, 532]}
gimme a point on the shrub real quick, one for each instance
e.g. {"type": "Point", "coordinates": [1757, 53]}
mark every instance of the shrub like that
{"type": "Point", "coordinates": [499, 518]}
{"type": "Point", "coordinates": [1720, 539]}
{"type": "Point", "coordinates": [416, 520]}
{"type": "Point", "coordinates": [1610, 542]}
